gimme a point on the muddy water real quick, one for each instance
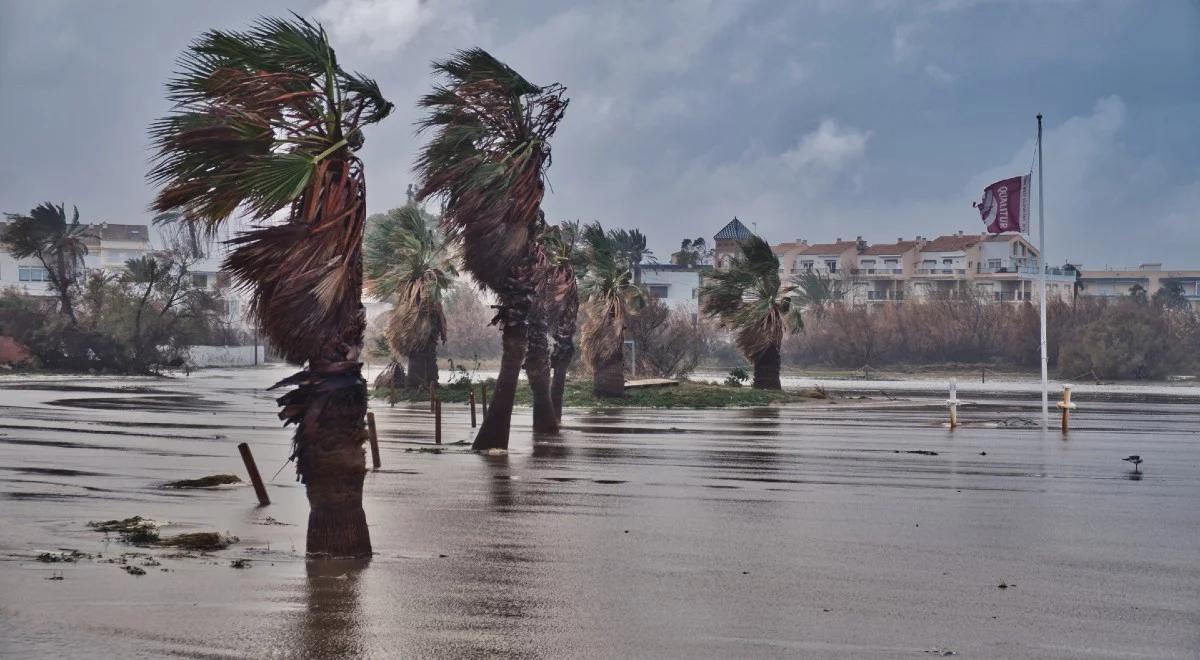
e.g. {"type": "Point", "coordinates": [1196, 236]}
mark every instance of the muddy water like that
{"type": "Point", "coordinates": [862, 529]}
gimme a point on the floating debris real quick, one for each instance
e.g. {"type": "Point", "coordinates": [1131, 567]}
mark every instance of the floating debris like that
{"type": "Point", "coordinates": [923, 452]}
{"type": "Point", "coordinates": [211, 481]}
{"type": "Point", "coordinates": [239, 563]}
{"type": "Point", "coordinates": [1016, 422]}
{"type": "Point", "coordinates": [68, 556]}
{"type": "Point", "coordinates": [136, 530]}
{"type": "Point", "coordinates": [133, 570]}
{"type": "Point", "coordinates": [199, 541]}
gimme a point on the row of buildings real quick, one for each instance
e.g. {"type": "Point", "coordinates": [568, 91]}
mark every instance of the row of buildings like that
{"type": "Point", "coordinates": [998, 267]}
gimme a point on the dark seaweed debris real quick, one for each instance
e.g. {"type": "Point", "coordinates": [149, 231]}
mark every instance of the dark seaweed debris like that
{"type": "Point", "coordinates": [211, 481]}
{"type": "Point", "coordinates": [136, 530]}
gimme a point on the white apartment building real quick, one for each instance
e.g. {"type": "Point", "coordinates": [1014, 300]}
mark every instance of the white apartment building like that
{"type": "Point", "coordinates": [1116, 282]}
{"type": "Point", "coordinates": [677, 286]}
{"type": "Point", "coordinates": [109, 245]}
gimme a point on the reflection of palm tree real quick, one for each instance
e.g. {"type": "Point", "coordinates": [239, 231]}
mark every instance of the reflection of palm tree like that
{"type": "Point", "coordinates": [267, 123]}
{"type": "Point", "coordinates": [333, 624]}
{"type": "Point", "coordinates": [487, 160]}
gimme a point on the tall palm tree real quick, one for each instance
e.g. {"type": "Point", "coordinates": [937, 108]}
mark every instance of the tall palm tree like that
{"type": "Point", "coordinates": [564, 288]}
{"type": "Point", "coordinates": [409, 262]}
{"type": "Point", "coordinates": [610, 294]}
{"type": "Point", "coordinates": [58, 244]}
{"type": "Point", "coordinates": [553, 316]}
{"type": "Point", "coordinates": [749, 300]}
{"type": "Point", "coordinates": [266, 121]}
{"type": "Point", "coordinates": [487, 160]}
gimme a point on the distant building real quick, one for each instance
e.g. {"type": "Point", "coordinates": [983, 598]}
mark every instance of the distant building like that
{"type": "Point", "coordinates": [677, 286]}
{"type": "Point", "coordinates": [725, 242]}
{"type": "Point", "coordinates": [1114, 283]}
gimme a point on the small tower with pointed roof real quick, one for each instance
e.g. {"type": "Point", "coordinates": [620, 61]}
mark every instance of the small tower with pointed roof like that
{"type": "Point", "coordinates": [726, 242]}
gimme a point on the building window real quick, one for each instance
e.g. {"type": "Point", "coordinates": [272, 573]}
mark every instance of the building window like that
{"type": "Point", "coordinates": [807, 266]}
{"type": "Point", "coordinates": [994, 264]}
{"type": "Point", "coordinates": [657, 291]}
{"type": "Point", "coordinates": [947, 262]}
{"type": "Point", "coordinates": [200, 280]}
{"type": "Point", "coordinates": [831, 265]}
{"type": "Point", "coordinates": [31, 274]}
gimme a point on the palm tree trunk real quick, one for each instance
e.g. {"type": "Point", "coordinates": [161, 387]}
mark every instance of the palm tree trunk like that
{"type": "Point", "coordinates": [560, 361]}
{"type": "Point", "coordinates": [422, 368]}
{"type": "Point", "coordinates": [608, 376]}
{"type": "Point", "coordinates": [493, 433]}
{"type": "Point", "coordinates": [537, 370]}
{"type": "Point", "coordinates": [766, 370]}
{"type": "Point", "coordinates": [330, 458]}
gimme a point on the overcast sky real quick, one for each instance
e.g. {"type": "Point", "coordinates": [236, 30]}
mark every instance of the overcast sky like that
{"type": "Point", "coordinates": [813, 120]}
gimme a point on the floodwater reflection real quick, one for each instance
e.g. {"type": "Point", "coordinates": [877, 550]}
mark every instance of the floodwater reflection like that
{"type": "Point", "coordinates": [333, 625]}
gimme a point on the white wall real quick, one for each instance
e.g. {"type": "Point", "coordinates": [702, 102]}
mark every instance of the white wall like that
{"type": "Point", "coordinates": [223, 356]}
{"type": "Point", "coordinates": [681, 284]}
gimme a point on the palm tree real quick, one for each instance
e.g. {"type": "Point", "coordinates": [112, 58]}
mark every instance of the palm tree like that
{"type": "Point", "coordinates": [815, 292]}
{"type": "Point", "coordinates": [409, 262]}
{"type": "Point", "coordinates": [749, 300]}
{"type": "Point", "coordinates": [57, 244]}
{"type": "Point", "coordinates": [487, 160]}
{"type": "Point", "coordinates": [611, 295]}
{"type": "Point", "coordinates": [267, 122]}
{"type": "Point", "coordinates": [556, 304]}
{"type": "Point", "coordinates": [631, 250]}
{"type": "Point", "coordinates": [565, 297]}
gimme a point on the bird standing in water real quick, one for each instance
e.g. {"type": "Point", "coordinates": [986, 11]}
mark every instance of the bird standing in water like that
{"type": "Point", "coordinates": [1135, 459]}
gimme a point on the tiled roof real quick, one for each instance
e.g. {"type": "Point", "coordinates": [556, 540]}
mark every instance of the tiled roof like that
{"type": "Point", "coordinates": [113, 232]}
{"type": "Point", "coordinates": [829, 248]}
{"type": "Point", "coordinates": [780, 248]}
{"type": "Point", "coordinates": [890, 248]}
{"type": "Point", "coordinates": [952, 243]}
{"type": "Point", "coordinates": [734, 231]}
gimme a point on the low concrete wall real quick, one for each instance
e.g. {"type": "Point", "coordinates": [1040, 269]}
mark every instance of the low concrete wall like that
{"type": "Point", "coordinates": [223, 356]}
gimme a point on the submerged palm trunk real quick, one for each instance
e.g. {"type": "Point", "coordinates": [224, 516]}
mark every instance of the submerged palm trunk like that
{"type": "Point", "coordinates": [766, 369]}
{"type": "Point", "coordinates": [608, 378]}
{"type": "Point", "coordinates": [516, 302]}
{"type": "Point", "coordinates": [422, 368]}
{"type": "Point", "coordinates": [537, 370]}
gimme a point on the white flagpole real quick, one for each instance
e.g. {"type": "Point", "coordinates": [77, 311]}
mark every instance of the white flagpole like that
{"type": "Point", "coordinates": [1042, 268]}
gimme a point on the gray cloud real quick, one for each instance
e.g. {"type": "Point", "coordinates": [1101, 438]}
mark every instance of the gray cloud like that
{"type": "Point", "coordinates": [811, 119]}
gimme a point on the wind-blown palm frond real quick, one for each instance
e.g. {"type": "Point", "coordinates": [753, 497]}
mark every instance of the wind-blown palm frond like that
{"type": "Point", "coordinates": [265, 120]}
{"type": "Point", "coordinates": [749, 300]}
{"type": "Point", "coordinates": [813, 292]}
{"type": "Point", "coordinates": [488, 158]}
{"type": "Point", "coordinates": [409, 262]}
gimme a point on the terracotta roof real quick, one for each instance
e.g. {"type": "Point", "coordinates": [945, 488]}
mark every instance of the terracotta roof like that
{"type": "Point", "coordinates": [952, 243]}
{"type": "Point", "coordinates": [784, 247]}
{"type": "Point", "coordinates": [890, 248]}
{"type": "Point", "coordinates": [829, 248]}
{"type": "Point", "coordinates": [734, 231]}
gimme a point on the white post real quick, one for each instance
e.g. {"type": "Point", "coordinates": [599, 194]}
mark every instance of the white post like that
{"type": "Point", "coordinates": [1042, 268]}
{"type": "Point", "coordinates": [952, 403]}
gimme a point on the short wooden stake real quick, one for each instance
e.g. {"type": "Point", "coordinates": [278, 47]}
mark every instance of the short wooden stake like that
{"type": "Point", "coordinates": [437, 421]}
{"type": "Point", "coordinates": [952, 404]}
{"type": "Point", "coordinates": [483, 391]}
{"type": "Point", "coordinates": [472, 398]}
{"type": "Point", "coordinates": [255, 477]}
{"type": "Point", "coordinates": [374, 440]}
{"type": "Point", "coordinates": [1066, 407]}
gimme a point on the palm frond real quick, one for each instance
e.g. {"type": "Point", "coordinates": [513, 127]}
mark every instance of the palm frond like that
{"type": "Point", "coordinates": [749, 299]}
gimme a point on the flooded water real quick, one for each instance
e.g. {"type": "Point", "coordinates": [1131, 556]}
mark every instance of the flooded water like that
{"type": "Point", "coordinates": [856, 529]}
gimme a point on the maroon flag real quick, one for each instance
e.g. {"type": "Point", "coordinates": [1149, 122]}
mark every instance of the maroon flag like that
{"type": "Point", "coordinates": [1005, 205]}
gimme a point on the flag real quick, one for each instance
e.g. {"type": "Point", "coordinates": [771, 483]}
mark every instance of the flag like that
{"type": "Point", "coordinates": [1005, 205]}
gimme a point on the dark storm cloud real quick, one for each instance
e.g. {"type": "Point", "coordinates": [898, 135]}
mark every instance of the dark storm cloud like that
{"type": "Point", "coordinates": [814, 120]}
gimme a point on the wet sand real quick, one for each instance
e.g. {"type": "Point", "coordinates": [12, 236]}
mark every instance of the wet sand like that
{"type": "Point", "coordinates": [805, 531]}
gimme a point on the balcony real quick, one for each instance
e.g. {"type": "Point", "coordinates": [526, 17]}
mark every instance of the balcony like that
{"type": "Point", "coordinates": [881, 271]}
{"type": "Point", "coordinates": [1016, 267]}
{"type": "Point", "coordinates": [941, 271]}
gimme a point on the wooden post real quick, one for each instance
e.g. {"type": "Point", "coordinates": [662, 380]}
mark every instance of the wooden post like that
{"type": "Point", "coordinates": [983, 374]}
{"type": "Point", "coordinates": [483, 391]}
{"type": "Point", "coordinates": [1066, 407]}
{"type": "Point", "coordinates": [952, 404]}
{"type": "Point", "coordinates": [437, 421]}
{"type": "Point", "coordinates": [432, 396]}
{"type": "Point", "coordinates": [255, 477]}
{"type": "Point", "coordinates": [374, 440]}
{"type": "Point", "coordinates": [472, 398]}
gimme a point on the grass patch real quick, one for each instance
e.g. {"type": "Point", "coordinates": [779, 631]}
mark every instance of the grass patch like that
{"type": "Point", "coordinates": [211, 481]}
{"type": "Point", "coordinates": [578, 394]}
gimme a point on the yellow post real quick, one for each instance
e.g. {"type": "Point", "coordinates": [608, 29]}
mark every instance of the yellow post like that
{"type": "Point", "coordinates": [1066, 407]}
